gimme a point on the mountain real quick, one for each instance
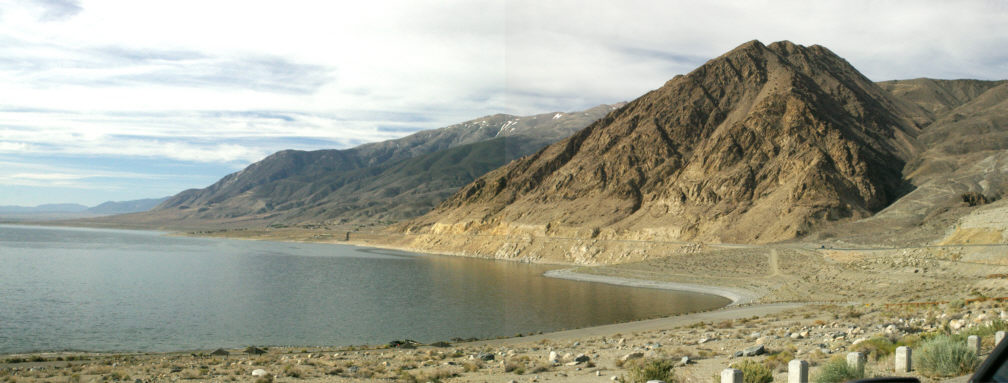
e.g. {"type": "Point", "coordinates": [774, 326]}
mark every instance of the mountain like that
{"type": "Point", "coordinates": [938, 97]}
{"type": "Point", "coordinates": [384, 181]}
{"type": "Point", "coordinates": [47, 208]}
{"type": "Point", "coordinates": [761, 144]}
{"type": "Point", "coordinates": [965, 156]}
{"type": "Point", "coordinates": [123, 207]}
{"type": "Point", "coordinates": [50, 212]}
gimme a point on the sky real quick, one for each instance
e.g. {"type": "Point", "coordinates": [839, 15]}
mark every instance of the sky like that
{"type": "Point", "coordinates": [124, 99]}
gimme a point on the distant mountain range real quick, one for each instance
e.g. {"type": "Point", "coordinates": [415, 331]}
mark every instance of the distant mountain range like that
{"type": "Point", "coordinates": [373, 183]}
{"type": "Point", "coordinates": [71, 209]}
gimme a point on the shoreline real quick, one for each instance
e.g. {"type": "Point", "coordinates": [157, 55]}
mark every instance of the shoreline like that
{"type": "Point", "coordinates": [737, 296]}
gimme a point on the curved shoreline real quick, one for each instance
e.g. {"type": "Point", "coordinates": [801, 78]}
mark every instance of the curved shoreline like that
{"type": "Point", "coordinates": [737, 296]}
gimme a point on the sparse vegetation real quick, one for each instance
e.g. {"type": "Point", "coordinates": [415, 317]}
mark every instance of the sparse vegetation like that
{"type": "Point", "coordinates": [877, 348]}
{"type": "Point", "coordinates": [837, 370]}
{"type": "Point", "coordinates": [753, 371]}
{"type": "Point", "coordinates": [651, 369]}
{"type": "Point", "coordinates": [976, 199]}
{"type": "Point", "coordinates": [946, 356]}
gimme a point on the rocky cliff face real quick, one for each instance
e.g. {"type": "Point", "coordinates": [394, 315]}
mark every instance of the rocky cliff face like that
{"type": "Point", "coordinates": [763, 143]}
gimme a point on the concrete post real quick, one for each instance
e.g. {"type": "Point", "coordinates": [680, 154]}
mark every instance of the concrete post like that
{"type": "Point", "coordinates": [856, 360]}
{"type": "Point", "coordinates": [998, 336]}
{"type": "Point", "coordinates": [973, 343]}
{"type": "Point", "coordinates": [903, 359]}
{"type": "Point", "coordinates": [731, 375]}
{"type": "Point", "coordinates": [797, 371]}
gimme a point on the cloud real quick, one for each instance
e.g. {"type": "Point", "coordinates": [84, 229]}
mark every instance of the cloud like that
{"type": "Point", "coordinates": [227, 82]}
{"type": "Point", "coordinates": [58, 9]}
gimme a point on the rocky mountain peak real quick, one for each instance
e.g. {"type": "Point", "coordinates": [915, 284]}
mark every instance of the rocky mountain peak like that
{"type": "Point", "coordinates": [759, 144]}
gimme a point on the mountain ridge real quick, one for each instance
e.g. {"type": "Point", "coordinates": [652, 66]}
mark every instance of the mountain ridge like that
{"type": "Point", "coordinates": [356, 185]}
{"type": "Point", "coordinates": [707, 122]}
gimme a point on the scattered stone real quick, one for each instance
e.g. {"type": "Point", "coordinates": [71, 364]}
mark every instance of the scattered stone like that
{"type": "Point", "coordinates": [581, 358]}
{"type": "Point", "coordinates": [795, 335]}
{"type": "Point", "coordinates": [656, 381]}
{"type": "Point", "coordinates": [554, 357]}
{"type": "Point", "coordinates": [598, 373]}
{"type": "Point", "coordinates": [632, 355]}
{"type": "Point", "coordinates": [753, 351]}
{"type": "Point", "coordinates": [485, 356]}
{"type": "Point", "coordinates": [684, 361]}
{"type": "Point", "coordinates": [258, 372]}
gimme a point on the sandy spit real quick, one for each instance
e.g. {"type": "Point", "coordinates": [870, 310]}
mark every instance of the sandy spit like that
{"type": "Point", "coordinates": [737, 296]}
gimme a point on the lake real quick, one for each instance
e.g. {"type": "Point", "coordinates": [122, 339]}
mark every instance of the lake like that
{"type": "Point", "coordinates": [120, 290]}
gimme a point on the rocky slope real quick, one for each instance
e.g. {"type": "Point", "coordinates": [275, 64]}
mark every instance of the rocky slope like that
{"type": "Point", "coordinates": [965, 157]}
{"type": "Point", "coordinates": [763, 143]}
{"type": "Point", "coordinates": [385, 181]}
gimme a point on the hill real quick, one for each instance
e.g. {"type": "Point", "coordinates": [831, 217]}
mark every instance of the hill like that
{"type": "Point", "coordinates": [764, 143]}
{"type": "Point", "coordinates": [371, 183]}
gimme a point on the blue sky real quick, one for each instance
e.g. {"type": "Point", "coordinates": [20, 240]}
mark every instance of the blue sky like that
{"type": "Point", "coordinates": [122, 99]}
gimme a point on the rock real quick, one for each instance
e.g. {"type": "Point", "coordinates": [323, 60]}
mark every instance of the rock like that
{"type": "Point", "coordinates": [258, 372]}
{"type": "Point", "coordinates": [795, 335]}
{"type": "Point", "coordinates": [485, 356]}
{"type": "Point", "coordinates": [554, 357]}
{"type": "Point", "coordinates": [956, 324]}
{"type": "Point", "coordinates": [656, 381]}
{"type": "Point", "coordinates": [581, 358]}
{"type": "Point", "coordinates": [613, 378]}
{"type": "Point", "coordinates": [568, 356]}
{"type": "Point", "coordinates": [632, 355]}
{"type": "Point", "coordinates": [684, 361]}
{"type": "Point", "coordinates": [754, 350]}
{"type": "Point", "coordinates": [598, 373]}
{"type": "Point", "coordinates": [704, 340]}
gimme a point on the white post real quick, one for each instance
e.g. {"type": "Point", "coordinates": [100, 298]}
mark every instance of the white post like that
{"type": "Point", "coordinates": [797, 371]}
{"type": "Point", "coordinates": [903, 359]}
{"type": "Point", "coordinates": [998, 336]}
{"type": "Point", "coordinates": [973, 343]}
{"type": "Point", "coordinates": [856, 360]}
{"type": "Point", "coordinates": [731, 375]}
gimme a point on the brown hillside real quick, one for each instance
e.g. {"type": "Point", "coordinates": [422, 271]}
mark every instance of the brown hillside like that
{"type": "Point", "coordinates": [761, 144]}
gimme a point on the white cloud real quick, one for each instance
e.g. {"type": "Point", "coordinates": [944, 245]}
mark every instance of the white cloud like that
{"type": "Point", "coordinates": [196, 80]}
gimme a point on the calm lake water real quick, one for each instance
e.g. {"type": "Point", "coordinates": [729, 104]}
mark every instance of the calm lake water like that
{"type": "Point", "coordinates": [116, 290]}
